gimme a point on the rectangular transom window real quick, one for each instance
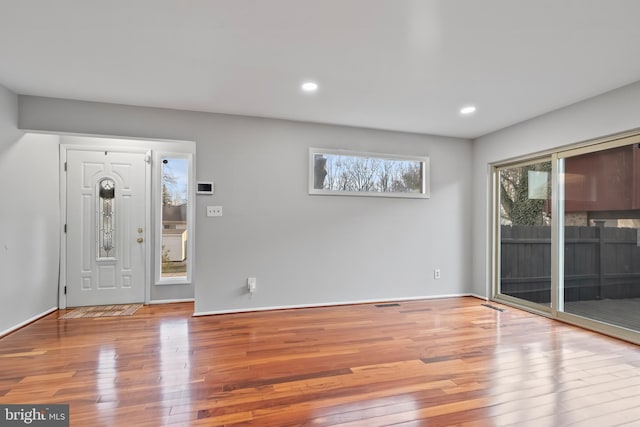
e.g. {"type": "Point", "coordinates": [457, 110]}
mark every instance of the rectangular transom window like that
{"type": "Point", "coordinates": [351, 173]}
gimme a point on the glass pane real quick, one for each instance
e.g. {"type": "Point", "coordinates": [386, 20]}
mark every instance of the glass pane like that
{"type": "Point", "coordinates": [106, 218]}
{"type": "Point", "coordinates": [525, 232]}
{"type": "Point", "coordinates": [175, 181]}
{"type": "Point", "coordinates": [347, 173]}
{"type": "Point", "coordinates": [602, 236]}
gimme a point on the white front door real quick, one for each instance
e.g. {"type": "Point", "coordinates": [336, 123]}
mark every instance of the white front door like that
{"type": "Point", "coordinates": [106, 212]}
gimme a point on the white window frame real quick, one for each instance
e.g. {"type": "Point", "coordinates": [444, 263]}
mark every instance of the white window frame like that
{"type": "Point", "coordinates": [425, 184]}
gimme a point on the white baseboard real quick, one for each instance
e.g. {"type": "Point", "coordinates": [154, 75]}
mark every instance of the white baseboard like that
{"type": "Point", "coordinates": [171, 301]}
{"type": "Point", "coordinates": [327, 304]}
{"type": "Point", "coordinates": [26, 322]}
{"type": "Point", "coordinates": [479, 297]}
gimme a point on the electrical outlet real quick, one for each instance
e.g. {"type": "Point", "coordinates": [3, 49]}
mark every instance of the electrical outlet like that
{"type": "Point", "coordinates": [436, 273]}
{"type": "Point", "coordinates": [251, 284]}
{"type": "Point", "coordinates": [214, 210]}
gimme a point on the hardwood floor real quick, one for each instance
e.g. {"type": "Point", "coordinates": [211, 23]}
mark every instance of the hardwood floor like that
{"type": "Point", "coordinates": [433, 362]}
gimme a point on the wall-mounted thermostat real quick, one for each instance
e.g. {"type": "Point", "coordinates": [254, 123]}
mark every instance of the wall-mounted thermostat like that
{"type": "Point", "coordinates": [204, 187]}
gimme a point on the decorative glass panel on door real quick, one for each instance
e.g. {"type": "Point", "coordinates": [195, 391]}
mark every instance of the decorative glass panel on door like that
{"type": "Point", "coordinates": [525, 232]}
{"type": "Point", "coordinates": [106, 218]}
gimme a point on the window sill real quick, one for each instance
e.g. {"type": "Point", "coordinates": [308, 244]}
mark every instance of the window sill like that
{"type": "Point", "coordinates": [173, 281]}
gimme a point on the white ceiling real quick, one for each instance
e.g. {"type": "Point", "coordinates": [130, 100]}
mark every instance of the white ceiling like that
{"type": "Point", "coordinates": [389, 64]}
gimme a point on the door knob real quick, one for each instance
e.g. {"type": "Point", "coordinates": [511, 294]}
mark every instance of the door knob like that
{"type": "Point", "coordinates": [140, 240]}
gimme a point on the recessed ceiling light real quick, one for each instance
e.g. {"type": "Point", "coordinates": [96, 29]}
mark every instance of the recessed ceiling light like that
{"type": "Point", "coordinates": [468, 109]}
{"type": "Point", "coordinates": [309, 86]}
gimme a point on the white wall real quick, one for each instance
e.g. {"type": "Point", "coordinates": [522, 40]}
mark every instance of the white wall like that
{"type": "Point", "coordinates": [607, 114]}
{"type": "Point", "coordinates": [29, 220]}
{"type": "Point", "coordinates": [302, 249]}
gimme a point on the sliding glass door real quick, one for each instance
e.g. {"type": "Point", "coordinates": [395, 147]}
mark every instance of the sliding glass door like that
{"type": "Point", "coordinates": [601, 228]}
{"type": "Point", "coordinates": [567, 235]}
{"type": "Point", "coordinates": [524, 230]}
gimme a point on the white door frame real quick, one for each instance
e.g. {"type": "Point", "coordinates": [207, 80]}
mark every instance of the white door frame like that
{"type": "Point", "coordinates": [62, 297]}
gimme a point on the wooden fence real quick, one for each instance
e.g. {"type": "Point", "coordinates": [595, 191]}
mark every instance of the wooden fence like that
{"type": "Point", "coordinates": [599, 262]}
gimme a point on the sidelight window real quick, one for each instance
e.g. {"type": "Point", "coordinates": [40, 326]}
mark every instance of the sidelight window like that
{"type": "Point", "coordinates": [175, 195]}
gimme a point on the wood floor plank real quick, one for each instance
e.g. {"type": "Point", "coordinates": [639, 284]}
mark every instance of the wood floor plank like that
{"type": "Point", "coordinates": [432, 362]}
